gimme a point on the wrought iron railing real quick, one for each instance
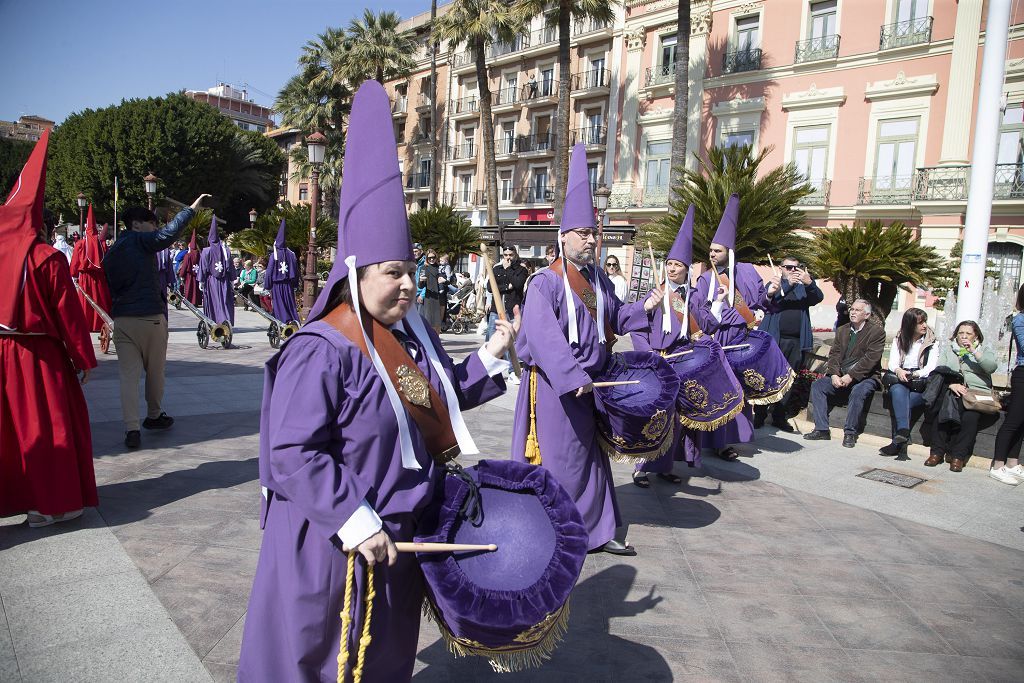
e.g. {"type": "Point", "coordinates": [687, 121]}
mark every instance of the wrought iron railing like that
{"type": "Point", "coordinates": [820, 194]}
{"type": "Point", "coordinates": [505, 96]}
{"type": "Point", "coordinates": [590, 135]}
{"type": "Point", "coordinates": [536, 90]}
{"type": "Point", "coordinates": [466, 105]}
{"type": "Point", "coordinates": [415, 181]}
{"type": "Point", "coordinates": [941, 183]}
{"type": "Point", "coordinates": [544, 36]}
{"type": "Point", "coordinates": [588, 26]}
{"type": "Point", "coordinates": [518, 43]}
{"type": "Point", "coordinates": [903, 33]}
{"type": "Point", "coordinates": [822, 47]}
{"type": "Point", "coordinates": [423, 101]}
{"type": "Point", "coordinates": [595, 78]}
{"type": "Point", "coordinates": [538, 195]}
{"type": "Point", "coordinates": [466, 150]}
{"type": "Point", "coordinates": [400, 105]}
{"type": "Point", "coordinates": [462, 198]}
{"type": "Point", "coordinates": [535, 143]}
{"type": "Point", "coordinates": [662, 73]}
{"type": "Point", "coordinates": [463, 58]}
{"type": "Point", "coordinates": [653, 196]}
{"type": "Point", "coordinates": [741, 60]}
{"type": "Point", "coordinates": [505, 145]}
{"type": "Point", "coordinates": [885, 190]}
{"type": "Point", "coordinates": [1009, 181]}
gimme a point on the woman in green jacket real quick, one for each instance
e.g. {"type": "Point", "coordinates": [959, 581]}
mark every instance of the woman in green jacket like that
{"type": "Point", "coordinates": [963, 352]}
{"type": "Point", "coordinates": [247, 282]}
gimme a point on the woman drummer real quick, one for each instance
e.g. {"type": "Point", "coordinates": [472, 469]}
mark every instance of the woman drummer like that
{"type": "Point", "coordinates": [667, 336]}
{"type": "Point", "coordinates": [360, 408]}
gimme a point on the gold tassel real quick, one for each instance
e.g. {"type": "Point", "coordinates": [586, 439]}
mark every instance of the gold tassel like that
{"type": "Point", "coordinates": [346, 622]}
{"type": "Point", "coordinates": [532, 444]}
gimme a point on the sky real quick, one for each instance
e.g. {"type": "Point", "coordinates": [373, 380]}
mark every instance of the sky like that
{"type": "Point", "coordinates": [63, 56]}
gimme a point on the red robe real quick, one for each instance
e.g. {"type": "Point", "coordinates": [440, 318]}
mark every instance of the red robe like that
{"type": "Point", "coordinates": [189, 280]}
{"type": "Point", "coordinates": [45, 439]}
{"type": "Point", "coordinates": [91, 279]}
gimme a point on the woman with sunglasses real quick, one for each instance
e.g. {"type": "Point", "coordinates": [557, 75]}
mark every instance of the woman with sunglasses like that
{"type": "Point", "coordinates": [614, 273]}
{"type": "Point", "coordinates": [430, 291]}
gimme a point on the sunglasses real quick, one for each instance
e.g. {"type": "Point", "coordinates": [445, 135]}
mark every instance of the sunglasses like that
{"type": "Point", "coordinates": [508, 254]}
{"type": "Point", "coordinates": [612, 264]}
{"type": "Point", "coordinates": [790, 267]}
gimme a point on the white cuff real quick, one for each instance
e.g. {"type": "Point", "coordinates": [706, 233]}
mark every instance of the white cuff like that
{"type": "Point", "coordinates": [363, 523]}
{"type": "Point", "coordinates": [493, 366]}
{"type": "Point", "coordinates": [716, 310]}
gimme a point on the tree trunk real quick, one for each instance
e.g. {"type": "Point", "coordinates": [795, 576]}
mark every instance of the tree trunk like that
{"type": "Point", "coordinates": [682, 99]}
{"type": "Point", "coordinates": [564, 103]}
{"type": "Point", "coordinates": [434, 156]}
{"type": "Point", "coordinates": [487, 133]}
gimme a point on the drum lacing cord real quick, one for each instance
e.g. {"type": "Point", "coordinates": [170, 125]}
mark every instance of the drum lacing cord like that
{"type": "Point", "coordinates": [532, 444]}
{"type": "Point", "coordinates": [346, 621]}
{"type": "Point", "coordinates": [471, 509]}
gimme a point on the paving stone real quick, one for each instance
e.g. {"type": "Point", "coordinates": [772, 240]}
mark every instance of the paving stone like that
{"type": "Point", "coordinates": [862, 624]}
{"type": "Point", "coordinates": [976, 630]}
{"type": "Point", "coordinates": [780, 662]}
{"type": "Point", "coordinates": [767, 619]}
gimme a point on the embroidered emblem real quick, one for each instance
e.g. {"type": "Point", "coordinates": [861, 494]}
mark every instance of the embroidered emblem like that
{"type": "Point", "coordinates": [753, 379]}
{"type": "Point", "coordinates": [655, 427]}
{"type": "Point", "coordinates": [590, 299]}
{"type": "Point", "coordinates": [283, 267]}
{"type": "Point", "coordinates": [414, 386]}
{"type": "Point", "coordinates": [696, 394]}
{"type": "Point", "coordinates": [219, 267]}
{"type": "Point", "coordinates": [677, 303]}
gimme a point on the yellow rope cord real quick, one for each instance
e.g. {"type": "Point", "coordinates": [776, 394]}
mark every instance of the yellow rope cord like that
{"type": "Point", "coordinates": [364, 640]}
{"type": "Point", "coordinates": [532, 444]}
{"type": "Point", "coordinates": [346, 617]}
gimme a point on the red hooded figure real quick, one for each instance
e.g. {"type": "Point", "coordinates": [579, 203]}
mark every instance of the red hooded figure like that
{"type": "Point", "coordinates": [188, 274]}
{"type": "Point", "coordinates": [86, 267]}
{"type": "Point", "coordinates": [45, 441]}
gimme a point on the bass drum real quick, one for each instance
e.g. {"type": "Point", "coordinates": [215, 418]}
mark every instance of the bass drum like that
{"type": "Point", "coordinates": [710, 395]}
{"type": "Point", "coordinates": [760, 365]}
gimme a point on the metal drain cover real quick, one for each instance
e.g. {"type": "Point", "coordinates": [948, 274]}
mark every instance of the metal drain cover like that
{"type": "Point", "coordinates": [895, 478]}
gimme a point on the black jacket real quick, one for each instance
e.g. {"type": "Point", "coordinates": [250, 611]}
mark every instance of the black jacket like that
{"type": "Point", "coordinates": [511, 282]}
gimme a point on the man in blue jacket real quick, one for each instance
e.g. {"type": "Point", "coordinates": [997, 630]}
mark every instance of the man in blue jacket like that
{"type": "Point", "coordinates": [789, 322]}
{"type": "Point", "coordinates": [140, 313]}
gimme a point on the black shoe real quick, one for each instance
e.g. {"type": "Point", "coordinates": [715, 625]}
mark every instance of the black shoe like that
{"type": "Point", "coordinates": [758, 421]}
{"type": "Point", "coordinates": [849, 440]}
{"type": "Point", "coordinates": [902, 436]}
{"type": "Point", "coordinates": [162, 422]}
{"type": "Point", "coordinates": [890, 450]}
{"type": "Point", "coordinates": [618, 548]}
{"type": "Point", "coordinates": [818, 435]}
{"type": "Point", "coordinates": [133, 439]}
{"type": "Point", "coordinates": [640, 479]}
{"type": "Point", "coordinates": [783, 426]}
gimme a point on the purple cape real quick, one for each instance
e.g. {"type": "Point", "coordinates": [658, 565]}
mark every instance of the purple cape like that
{"type": "Point", "coordinates": [566, 425]}
{"type": "Point", "coordinates": [318, 388]}
{"type": "Point", "coordinates": [218, 285]}
{"type": "Point", "coordinates": [281, 279]}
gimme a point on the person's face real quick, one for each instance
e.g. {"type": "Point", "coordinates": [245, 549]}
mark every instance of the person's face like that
{"type": "Point", "coordinates": [386, 290]}
{"type": "Point", "coordinates": [965, 336]}
{"type": "Point", "coordinates": [611, 266]}
{"type": "Point", "coordinates": [508, 256]}
{"type": "Point", "coordinates": [719, 255]}
{"type": "Point", "coordinates": [550, 256]}
{"type": "Point", "coordinates": [922, 328]}
{"type": "Point", "coordinates": [237, 262]}
{"type": "Point", "coordinates": [417, 253]}
{"type": "Point", "coordinates": [431, 258]}
{"type": "Point", "coordinates": [144, 226]}
{"type": "Point", "coordinates": [791, 269]}
{"type": "Point", "coordinates": [676, 270]}
{"type": "Point", "coordinates": [858, 313]}
{"type": "Point", "coordinates": [579, 245]}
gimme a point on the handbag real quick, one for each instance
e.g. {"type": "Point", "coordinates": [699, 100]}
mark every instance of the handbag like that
{"type": "Point", "coordinates": [986, 402]}
{"type": "Point", "coordinates": [918, 384]}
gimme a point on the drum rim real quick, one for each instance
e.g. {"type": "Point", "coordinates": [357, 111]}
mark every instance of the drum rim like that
{"type": "Point", "coordinates": [669, 386]}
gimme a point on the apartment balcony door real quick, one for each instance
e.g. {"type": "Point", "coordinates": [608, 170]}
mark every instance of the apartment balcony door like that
{"type": "Point", "coordinates": [508, 138]}
{"type": "Point", "coordinates": [547, 82]}
{"type": "Point", "coordinates": [823, 20]}
{"type": "Point", "coordinates": [896, 156]}
{"type": "Point", "coordinates": [810, 153]}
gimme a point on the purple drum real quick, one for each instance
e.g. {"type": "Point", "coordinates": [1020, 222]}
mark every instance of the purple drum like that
{"type": "Point", "coordinates": [710, 395]}
{"type": "Point", "coordinates": [759, 364]}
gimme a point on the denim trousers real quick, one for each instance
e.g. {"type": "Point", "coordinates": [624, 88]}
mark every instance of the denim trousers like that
{"type": "Point", "coordinates": [822, 390]}
{"type": "Point", "coordinates": [901, 401]}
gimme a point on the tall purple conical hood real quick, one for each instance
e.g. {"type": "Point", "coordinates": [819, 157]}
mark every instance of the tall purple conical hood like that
{"type": "Point", "coordinates": [726, 234]}
{"type": "Point", "coordinates": [213, 237]}
{"type": "Point", "coordinates": [578, 210]}
{"type": "Point", "coordinates": [372, 222]}
{"type": "Point", "coordinates": [279, 240]}
{"type": "Point", "coordinates": [682, 248]}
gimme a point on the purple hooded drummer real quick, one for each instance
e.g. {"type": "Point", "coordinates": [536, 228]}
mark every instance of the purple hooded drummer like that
{"type": "Point", "coordinates": [737, 293]}
{"type": "Point", "coordinates": [217, 276]}
{"type": "Point", "coordinates": [359, 408]}
{"type": "Point", "coordinates": [282, 279]}
{"type": "Point", "coordinates": [562, 347]}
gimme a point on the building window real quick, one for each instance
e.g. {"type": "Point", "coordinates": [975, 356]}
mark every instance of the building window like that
{"type": "Point", "coordinates": [468, 141]}
{"type": "Point", "coordinates": [810, 153]}
{"type": "Point", "coordinates": [540, 185]}
{"type": "Point", "coordinates": [547, 82]}
{"type": "Point", "coordinates": [1006, 260]}
{"type": "Point", "coordinates": [1011, 136]}
{"type": "Point", "coordinates": [594, 176]}
{"type": "Point", "coordinates": [668, 49]}
{"type": "Point", "coordinates": [505, 186]}
{"type": "Point", "coordinates": [303, 193]}
{"type": "Point", "coordinates": [658, 167]}
{"type": "Point", "coordinates": [737, 138]}
{"type": "Point", "coordinates": [424, 203]}
{"type": "Point", "coordinates": [507, 143]}
{"type": "Point", "coordinates": [895, 159]}
{"type": "Point", "coordinates": [910, 10]}
{"type": "Point", "coordinates": [823, 19]}
{"type": "Point", "coordinates": [747, 33]}
{"type": "Point", "coordinates": [466, 189]}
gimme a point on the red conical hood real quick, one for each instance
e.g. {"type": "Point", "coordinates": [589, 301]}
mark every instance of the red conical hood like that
{"type": "Point", "coordinates": [192, 242]}
{"type": "Point", "coordinates": [21, 219]}
{"type": "Point", "coordinates": [93, 252]}
{"type": "Point", "coordinates": [90, 222]}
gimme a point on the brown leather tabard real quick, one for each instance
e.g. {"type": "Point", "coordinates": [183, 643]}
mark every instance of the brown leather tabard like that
{"type": "Point", "coordinates": [581, 288]}
{"type": "Point", "coordinates": [426, 407]}
{"type": "Point", "coordinates": [740, 304]}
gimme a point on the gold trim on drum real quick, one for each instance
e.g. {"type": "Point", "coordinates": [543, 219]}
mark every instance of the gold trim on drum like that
{"type": "Point", "coordinates": [775, 395]}
{"type": "Point", "coordinates": [717, 422]}
{"type": "Point", "coordinates": [656, 451]}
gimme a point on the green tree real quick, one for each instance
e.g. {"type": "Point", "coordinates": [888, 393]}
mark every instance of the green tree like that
{"type": "Point", "coordinates": [377, 49]}
{"type": "Point", "coordinates": [190, 146]}
{"type": "Point", "coordinates": [873, 261]}
{"type": "Point", "coordinates": [259, 239]}
{"type": "Point", "coordinates": [447, 232]}
{"type": "Point", "coordinates": [13, 155]}
{"type": "Point", "coordinates": [477, 24]}
{"type": "Point", "coordinates": [768, 223]}
{"type": "Point", "coordinates": [563, 14]}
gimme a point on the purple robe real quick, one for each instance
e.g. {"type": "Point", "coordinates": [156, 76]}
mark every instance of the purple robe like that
{"type": "Point", "coordinates": [566, 425]}
{"type": "Point", "coordinates": [732, 329]}
{"type": "Point", "coordinates": [218, 284]}
{"type": "Point", "coordinates": [165, 269]}
{"type": "Point", "coordinates": [686, 443]}
{"type": "Point", "coordinates": [281, 279]}
{"type": "Point", "coordinates": [329, 441]}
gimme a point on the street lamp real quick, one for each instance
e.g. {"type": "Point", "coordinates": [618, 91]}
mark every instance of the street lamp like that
{"type": "Point", "coordinates": [150, 181]}
{"type": "Point", "coordinates": [82, 203]}
{"type": "Point", "coordinates": [252, 218]}
{"type": "Point", "coordinates": [601, 195]}
{"type": "Point", "coordinates": [316, 145]}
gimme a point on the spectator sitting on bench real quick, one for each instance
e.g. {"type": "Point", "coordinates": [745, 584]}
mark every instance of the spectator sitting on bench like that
{"type": "Point", "coordinates": [852, 362]}
{"type": "Point", "coordinates": [911, 359]}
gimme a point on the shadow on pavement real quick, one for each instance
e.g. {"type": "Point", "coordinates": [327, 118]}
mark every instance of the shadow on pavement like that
{"type": "Point", "coordinates": [733, 471]}
{"type": "Point", "coordinates": [588, 649]}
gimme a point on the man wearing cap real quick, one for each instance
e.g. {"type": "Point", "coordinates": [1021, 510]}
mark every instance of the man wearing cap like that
{"type": "Point", "coordinates": [282, 278]}
{"type": "Point", "coordinates": [562, 347]}
{"type": "Point", "coordinates": [735, 292]}
{"type": "Point", "coordinates": [217, 275]}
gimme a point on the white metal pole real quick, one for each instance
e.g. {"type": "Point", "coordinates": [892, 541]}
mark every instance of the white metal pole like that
{"type": "Point", "coordinates": [983, 162]}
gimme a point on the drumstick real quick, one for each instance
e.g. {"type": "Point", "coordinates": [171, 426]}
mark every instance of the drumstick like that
{"type": "Point", "coordinates": [409, 547]}
{"type": "Point", "coordinates": [654, 264]}
{"type": "Point", "coordinates": [736, 346]}
{"type": "Point", "coordinates": [499, 306]}
{"type": "Point", "coordinates": [683, 353]}
{"type": "Point", "coordinates": [616, 384]}
{"type": "Point", "coordinates": [772, 264]}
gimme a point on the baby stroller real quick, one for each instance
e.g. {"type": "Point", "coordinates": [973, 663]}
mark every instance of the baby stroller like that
{"type": "Point", "coordinates": [459, 314]}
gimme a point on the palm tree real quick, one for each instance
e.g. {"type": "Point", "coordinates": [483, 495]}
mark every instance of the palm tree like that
{"type": "Point", "coordinates": [563, 14]}
{"type": "Point", "coordinates": [681, 105]}
{"type": "Point", "coordinates": [447, 232]}
{"type": "Point", "coordinates": [768, 222]}
{"type": "Point", "coordinates": [377, 49]}
{"type": "Point", "coordinates": [873, 261]}
{"type": "Point", "coordinates": [476, 24]}
{"type": "Point", "coordinates": [260, 237]}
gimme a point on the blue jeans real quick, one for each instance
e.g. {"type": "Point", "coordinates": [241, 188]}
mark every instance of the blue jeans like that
{"type": "Point", "coordinates": [822, 390]}
{"type": "Point", "coordinates": [902, 400]}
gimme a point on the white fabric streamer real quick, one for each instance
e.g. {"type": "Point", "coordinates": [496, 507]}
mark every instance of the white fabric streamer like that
{"type": "Point", "coordinates": [666, 319]}
{"type": "Point", "coordinates": [570, 305]}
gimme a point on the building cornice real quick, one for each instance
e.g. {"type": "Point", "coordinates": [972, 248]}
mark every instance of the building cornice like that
{"type": "Point", "coordinates": [813, 98]}
{"type": "Point", "coordinates": [901, 86]}
{"type": "Point", "coordinates": [738, 105]}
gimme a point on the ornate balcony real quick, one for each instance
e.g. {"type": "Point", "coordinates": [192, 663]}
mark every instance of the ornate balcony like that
{"type": "Point", "coordinates": [538, 92]}
{"type": "Point", "coordinates": [505, 146]}
{"type": "Point", "coordinates": [505, 97]}
{"type": "Point", "coordinates": [819, 197]}
{"type": "Point", "coordinates": [463, 199]}
{"type": "Point", "coordinates": [741, 60]}
{"type": "Point", "coordinates": [400, 106]}
{"type": "Point", "coordinates": [823, 47]}
{"type": "Point", "coordinates": [544, 36]}
{"type": "Point", "coordinates": [1009, 181]}
{"type": "Point", "coordinates": [595, 79]}
{"type": "Point", "coordinates": [417, 181]}
{"type": "Point", "coordinates": [941, 183]}
{"type": "Point", "coordinates": [891, 190]}
{"type": "Point", "coordinates": [660, 74]}
{"type": "Point", "coordinates": [588, 26]}
{"type": "Point", "coordinates": [463, 152]}
{"type": "Point", "coordinates": [590, 135]}
{"type": "Point", "coordinates": [466, 107]}
{"type": "Point", "coordinates": [517, 44]}
{"type": "Point", "coordinates": [536, 144]}
{"type": "Point", "coordinates": [905, 33]}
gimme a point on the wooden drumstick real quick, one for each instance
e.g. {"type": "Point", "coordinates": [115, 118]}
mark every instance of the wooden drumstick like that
{"type": "Point", "coordinates": [410, 547]}
{"type": "Point", "coordinates": [683, 353]}
{"type": "Point", "coordinates": [736, 346]}
{"type": "Point", "coordinates": [772, 264]}
{"type": "Point", "coordinates": [616, 384]}
{"type": "Point", "coordinates": [654, 266]}
{"type": "Point", "coordinates": [499, 306]}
